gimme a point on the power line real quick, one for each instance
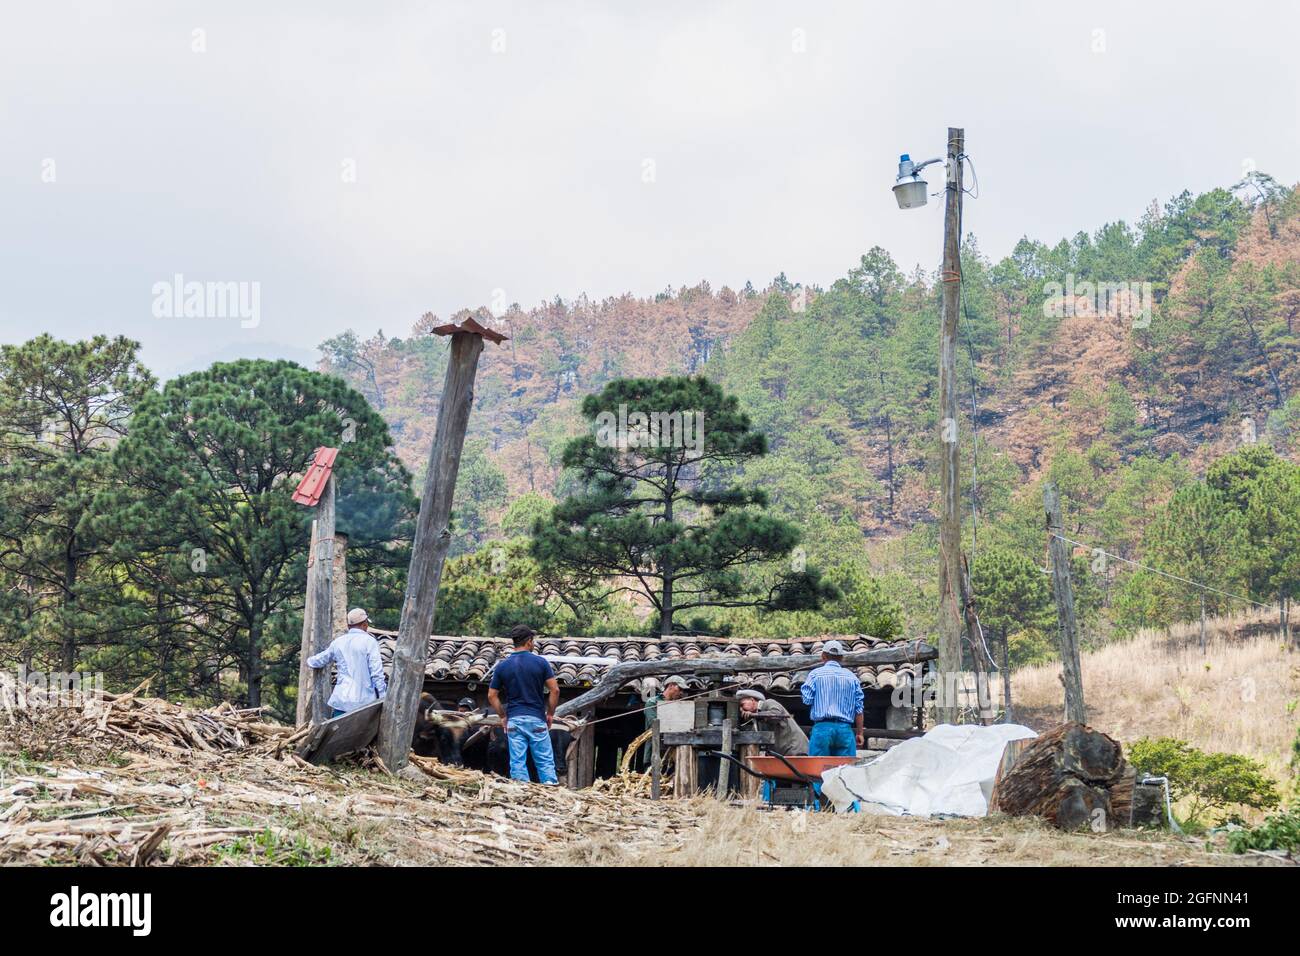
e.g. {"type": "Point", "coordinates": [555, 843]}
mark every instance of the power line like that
{"type": "Point", "coordinates": [1164, 574]}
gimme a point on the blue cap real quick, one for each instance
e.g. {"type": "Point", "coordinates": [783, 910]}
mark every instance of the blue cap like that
{"type": "Point", "coordinates": [904, 158]}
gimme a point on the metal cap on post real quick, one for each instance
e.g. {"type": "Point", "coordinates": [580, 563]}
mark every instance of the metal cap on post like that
{"type": "Point", "coordinates": [432, 538]}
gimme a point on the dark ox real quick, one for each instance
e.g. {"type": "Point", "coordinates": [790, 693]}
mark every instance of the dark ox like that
{"type": "Point", "coordinates": [439, 733]}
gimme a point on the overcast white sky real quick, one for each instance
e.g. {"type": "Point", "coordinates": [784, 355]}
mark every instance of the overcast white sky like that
{"type": "Point", "coordinates": [523, 168]}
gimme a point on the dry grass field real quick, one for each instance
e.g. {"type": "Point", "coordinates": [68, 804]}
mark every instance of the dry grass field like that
{"type": "Point", "coordinates": [1238, 696]}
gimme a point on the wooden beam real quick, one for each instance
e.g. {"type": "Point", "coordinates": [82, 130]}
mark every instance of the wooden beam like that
{"type": "Point", "coordinates": [728, 664]}
{"type": "Point", "coordinates": [432, 539]}
{"type": "Point", "coordinates": [321, 583]}
{"type": "Point", "coordinates": [714, 738]}
{"type": "Point", "coordinates": [1063, 591]}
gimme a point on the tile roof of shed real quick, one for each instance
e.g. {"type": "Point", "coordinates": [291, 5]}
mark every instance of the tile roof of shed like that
{"type": "Point", "coordinates": [582, 660]}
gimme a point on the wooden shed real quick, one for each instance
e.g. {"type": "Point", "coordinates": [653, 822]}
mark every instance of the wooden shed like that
{"type": "Point", "coordinates": [458, 667]}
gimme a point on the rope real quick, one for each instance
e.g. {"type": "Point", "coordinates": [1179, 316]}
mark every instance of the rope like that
{"type": "Point", "coordinates": [1164, 574]}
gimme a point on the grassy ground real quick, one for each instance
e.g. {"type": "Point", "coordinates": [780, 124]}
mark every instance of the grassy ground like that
{"type": "Point", "coordinates": [252, 810]}
{"type": "Point", "coordinates": [1238, 696]}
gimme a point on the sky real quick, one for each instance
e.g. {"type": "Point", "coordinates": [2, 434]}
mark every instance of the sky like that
{"type": "Point", "coordinates": [307, 168]}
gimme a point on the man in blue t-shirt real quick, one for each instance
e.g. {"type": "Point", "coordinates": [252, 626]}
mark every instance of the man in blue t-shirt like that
{"type": "Point", "coordinates": [531, 694]}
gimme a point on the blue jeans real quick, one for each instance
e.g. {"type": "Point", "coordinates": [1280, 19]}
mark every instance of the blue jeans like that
{"type": "Point", "coordinates": [525, 734]}
{"type": "Point", "coordinates": [832, 738]}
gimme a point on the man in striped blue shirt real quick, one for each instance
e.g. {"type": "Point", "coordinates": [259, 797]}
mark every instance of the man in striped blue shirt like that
{"type": "Point", "coordinates": [835, 696]}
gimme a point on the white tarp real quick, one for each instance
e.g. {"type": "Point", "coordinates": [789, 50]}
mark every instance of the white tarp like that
{"type": "Point", "coordinates": [948, 772]}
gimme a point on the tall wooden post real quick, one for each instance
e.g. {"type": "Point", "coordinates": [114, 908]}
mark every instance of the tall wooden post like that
{"type": "Point", "coordinates": [340, 582]}
{"type": "Point", "coordinates": [1063, 591]}
{"type": "Point", "coordinates": [951, 617]}
{"type": "Point", "coordinates": [304, 672]}
{"type": "Point", "coordinates": [320, 584]}
{"type": "Point", "coordinates": [432, 539]}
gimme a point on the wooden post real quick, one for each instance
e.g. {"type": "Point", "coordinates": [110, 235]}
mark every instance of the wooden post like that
{"type": "Point", "coordinates": [432, 539]}
{"type": "Point", "coordinates": [656, 751]}
{"type": "Point", "coordinates": [320, 582]}
{"type": "Point", "coordinates": [951, 623]}
{"type": "Point", "coordinates": [340, 582]}
{"type": "Point", "coordinates": [1067, 627]}
{"type": "Point", "coordinates": [686, 771]}
{"type": "Point", "coordinates": [305, 680]}
{"type": "Point", "coordinates": [1006, 679]}
{"type": "Point", "coordinates": [724, 766]}
{"type": "Point", "coordinates": [749, 786]}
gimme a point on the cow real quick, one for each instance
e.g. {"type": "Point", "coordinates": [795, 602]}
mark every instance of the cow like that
{"type": "Point", "coordinates": [439, 733]}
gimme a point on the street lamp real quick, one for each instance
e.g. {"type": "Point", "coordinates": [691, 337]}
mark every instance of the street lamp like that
{"type": "Point", "coordinates": [910, 189]}
{"type": "Point", "coordinates": [956, 607]}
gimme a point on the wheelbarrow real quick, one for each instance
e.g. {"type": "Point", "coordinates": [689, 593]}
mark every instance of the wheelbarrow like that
{"type": "Point", "coordinates": [774, 768]}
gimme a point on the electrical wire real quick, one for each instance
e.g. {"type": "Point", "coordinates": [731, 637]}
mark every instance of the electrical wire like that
{"type": "Point", "coordinates": [1164, 574]}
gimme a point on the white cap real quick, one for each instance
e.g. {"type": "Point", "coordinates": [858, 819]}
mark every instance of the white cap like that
{"type": "Point", "coordinates": [750, 692]}
{"type": "Point", "coordinates": [357, 616]}
{"type": "Point", "coordinates": [833, 648]}
{"type": "Point", "coordinates": [676, 682]}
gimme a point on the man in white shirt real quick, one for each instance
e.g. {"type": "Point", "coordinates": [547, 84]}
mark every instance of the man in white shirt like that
{"type": "Point", "coordinates": [360, 672]}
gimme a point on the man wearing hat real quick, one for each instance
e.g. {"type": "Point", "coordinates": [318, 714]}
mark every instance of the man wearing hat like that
{"type": "Point", "coordinates": [790, 738]}
{"type": "Point", "coordinates": [360, 672]}
{"type": "Point", "coordinates": [834, 696]}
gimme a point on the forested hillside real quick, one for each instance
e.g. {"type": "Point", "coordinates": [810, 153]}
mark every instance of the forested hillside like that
{"type": "Point", "coordinates": [1121, 406]}
{"type": "Point", "coordinates": [147, 530]}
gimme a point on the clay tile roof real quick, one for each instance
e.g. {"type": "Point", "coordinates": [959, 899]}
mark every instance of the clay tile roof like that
{"type": "Point", "coordinates": [580, 661]}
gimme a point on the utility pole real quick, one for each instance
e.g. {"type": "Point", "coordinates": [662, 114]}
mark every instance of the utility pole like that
{"type": "Point", "coordinates": [1063, 591]}
{"type": "Point", "coordinates": [432, 539]}
{"type": "Point", "coordinates": [951, 604]}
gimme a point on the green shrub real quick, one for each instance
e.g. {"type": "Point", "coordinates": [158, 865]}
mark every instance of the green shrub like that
{"type": "Point", "coordinates": [1209, 781]}
{"type": "Point", "coordinates": [1281, 831]}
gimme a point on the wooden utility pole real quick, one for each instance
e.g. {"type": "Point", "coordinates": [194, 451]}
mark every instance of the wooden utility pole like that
{"type": "Point", "coordinates": [951, 604]}
{"type": "Point", "coordinates": [1067, 628]}
{"type": "Point", "coordinates": [432, 539]}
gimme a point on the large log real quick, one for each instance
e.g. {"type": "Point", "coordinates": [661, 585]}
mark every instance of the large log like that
{"type": "Point", "coordinates": [428, 552]}
{"type": "Point", "coordinates": [729, 664]}
{"type": "Point", "coordinates": [1072, 777]}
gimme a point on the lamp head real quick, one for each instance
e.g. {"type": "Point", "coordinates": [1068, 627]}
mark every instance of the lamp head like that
{"type": "Point", "coordinates": [910, 190]}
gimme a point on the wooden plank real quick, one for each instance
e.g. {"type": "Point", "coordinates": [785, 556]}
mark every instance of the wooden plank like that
{"type": "Point", "coordinates": [351, 732]}
{"type": "Point", "coordinates": [726, 665]}
{"type": "Point", "coordinates": [429, 551]}
{"type": "Point", "coordinates": [714, 738]}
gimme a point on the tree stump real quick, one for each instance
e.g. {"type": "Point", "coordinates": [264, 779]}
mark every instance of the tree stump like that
{"type": "Point", "coordinates": [1072, 777]}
